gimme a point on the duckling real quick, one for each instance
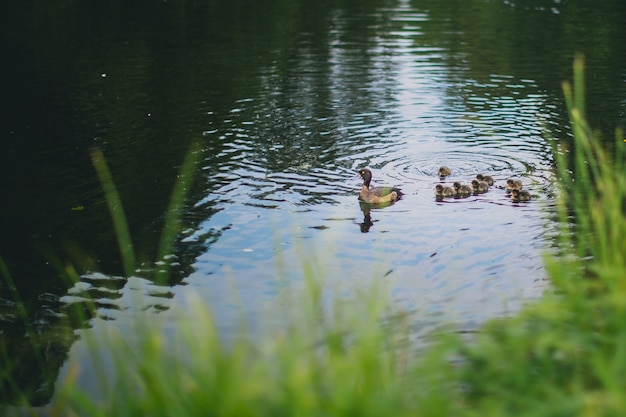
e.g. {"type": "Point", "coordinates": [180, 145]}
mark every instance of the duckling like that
{"type": "Point", "coordinates": [487, 178]}
{"type": "Point", "coordinates": [376, 194]}
{"type": "Point", "coordinates": [462, 190]}
{"type": "Point", "coordinates": [479, 187]}
{"type": "Point", "coordinates": [442, 191]}
{"type": "Point", "coordinates": [512, 184]}
{"type": "Point", "coordinates": [444, 171]}
{"type": "Point", "coordinates": [520, 195]}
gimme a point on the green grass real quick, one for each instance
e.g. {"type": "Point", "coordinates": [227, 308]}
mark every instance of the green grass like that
{"type": "Point", "coordinates": [344, 359]}
{"type": "Point", "coordinates": [566, 355]}
{"type": "Point", "coordinates": [562, 356]}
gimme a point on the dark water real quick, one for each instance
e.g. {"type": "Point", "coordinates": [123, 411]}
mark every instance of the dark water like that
{"type": "Point", "coordinates": [286, 100]}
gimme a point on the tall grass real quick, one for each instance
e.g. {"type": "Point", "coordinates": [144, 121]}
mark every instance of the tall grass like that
{"type": "Point", "coordinates": [563, 356]}
{"type": "Point", "coordinates": [173, 213]}
{"type": "Point", "coordinates": [341, 360]}
{"type": "Point", "coordinates": [116, 210]}
{"type": "Point", "coordinates": [567, 354]}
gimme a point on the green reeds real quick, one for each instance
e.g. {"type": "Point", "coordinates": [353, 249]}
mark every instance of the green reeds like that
{"type": "Point", "coordinates": [344, 360]}
{"type": "Point", "coordinates": [172, 216]}
{"type": "Point", "coordinates": [116, 210]}
{"type": "Point", "coordinates": [566, 355]}
{"type": "Point", "coordinates": [174, 212]}
{"type": "Point", "coordinates": [597, 184]}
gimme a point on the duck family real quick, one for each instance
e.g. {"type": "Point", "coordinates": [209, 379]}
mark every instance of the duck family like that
{"type": "Point", "coordinates": [479, 185]}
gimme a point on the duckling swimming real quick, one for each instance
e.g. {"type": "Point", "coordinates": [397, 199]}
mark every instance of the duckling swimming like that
{"type": "Point", "coordinates": [376, 194]}
{"type": "Point", "coordinates": [512, 184]}
{"type": "Point", "coordinates": [462, 190]}
{"type": "Point", "coordinates": [520, 195]}
{"type": "Point", "coordinates": [479, 187]}
{"type": "Point", "coordinates": [441, 191]}
{"type": "Point", "coordinates": [487, 178]}
{"type": "Point", "coordinates": [444, 171]}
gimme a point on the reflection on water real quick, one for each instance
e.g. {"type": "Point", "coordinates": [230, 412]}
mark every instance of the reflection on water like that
{"type": "Point", "coordinates": [286, 115]}
{"type": "Point", "coordinates": [288, 190]}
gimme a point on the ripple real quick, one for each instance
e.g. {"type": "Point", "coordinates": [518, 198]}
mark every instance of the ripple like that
{"type": "Point", "coordinates": [113, 294]}
{"type": "Point", "coordinates": [286, 180]}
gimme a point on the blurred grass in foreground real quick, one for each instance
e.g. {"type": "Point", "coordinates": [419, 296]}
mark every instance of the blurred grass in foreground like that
{"type": "Point", "coordinates": [564, 355]}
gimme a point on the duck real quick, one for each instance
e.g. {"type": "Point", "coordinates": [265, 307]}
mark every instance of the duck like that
{"type": "Point", "coordinates": [442, 191]}
{"type": "Point", "coordinates": [487, 178]}
{"type": "Point", "coordinates": [462, 190]}
{"type": "Point", "coordinates": [480, 187]}
{"type": "Point", "coordinates": [520, 195]}
{"type": "Point", "coordinates": [444, 171]}
{"type": "Point", "coordinates": [512, 184]}
{"type": "Point", "coordinates": [376, 195]}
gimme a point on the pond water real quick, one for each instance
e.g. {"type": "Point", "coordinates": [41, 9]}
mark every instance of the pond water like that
{"type": "Point", "coordinates": [287, 101]}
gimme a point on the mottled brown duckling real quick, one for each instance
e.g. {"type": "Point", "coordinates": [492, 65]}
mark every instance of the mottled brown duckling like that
{"type": "Point", "coordinates": [462, 190]}
{"type": "Point", "coordinates": [441, 191]}
{"type": "Point", "coordinates": [520, 195]}
{"type": "Point", "coordinates": [376, 194]}
{"type": "Point", "coordinates": [479, 187]}
{"type": "Point", "coordinates": [487, 178]}
{"type": "Point", "coordinates": [512, 184]}
{"type": "Point", "coordinates": [444, 171]}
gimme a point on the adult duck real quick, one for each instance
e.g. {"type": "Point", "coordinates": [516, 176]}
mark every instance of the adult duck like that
{"type": "Point", "coordinates": [374, 195]}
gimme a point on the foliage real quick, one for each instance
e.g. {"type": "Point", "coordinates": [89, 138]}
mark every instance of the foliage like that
{"type": "Point", "coordinates": [337, 360]}
{"type": "Point", "coordinates": [567, 354]}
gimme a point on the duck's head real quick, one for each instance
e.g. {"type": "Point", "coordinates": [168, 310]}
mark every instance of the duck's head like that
{"type": "Point", "coordinates": [366, 174]}
{"type": "Point", "coordinates": [456, 185]}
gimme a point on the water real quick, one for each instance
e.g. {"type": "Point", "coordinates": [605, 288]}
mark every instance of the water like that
{"type": "Point", "coordinates": [286, 105]}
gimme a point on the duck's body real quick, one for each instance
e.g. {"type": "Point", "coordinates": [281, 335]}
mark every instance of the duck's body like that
{"type": "Point", "coordinates": [512, 184]}
{"type": "Point", "coordinates": [487, 178]}
{"type": "Point", "coordinates": [441, 191]}
{"type": "Point", "coordinates": [462, 190]}
{"type": "Point", "coordinates": [480, 187]}
{"type": "Point", "coordinates": [375, 195]}
{"type": "Point", "coordinates": [444, 171]}
{"type": "Point", "coordinates": [520, 195]}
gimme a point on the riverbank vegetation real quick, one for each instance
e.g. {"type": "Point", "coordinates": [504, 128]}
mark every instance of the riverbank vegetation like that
{"type": "Point", "coordinates": [564, 355]}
